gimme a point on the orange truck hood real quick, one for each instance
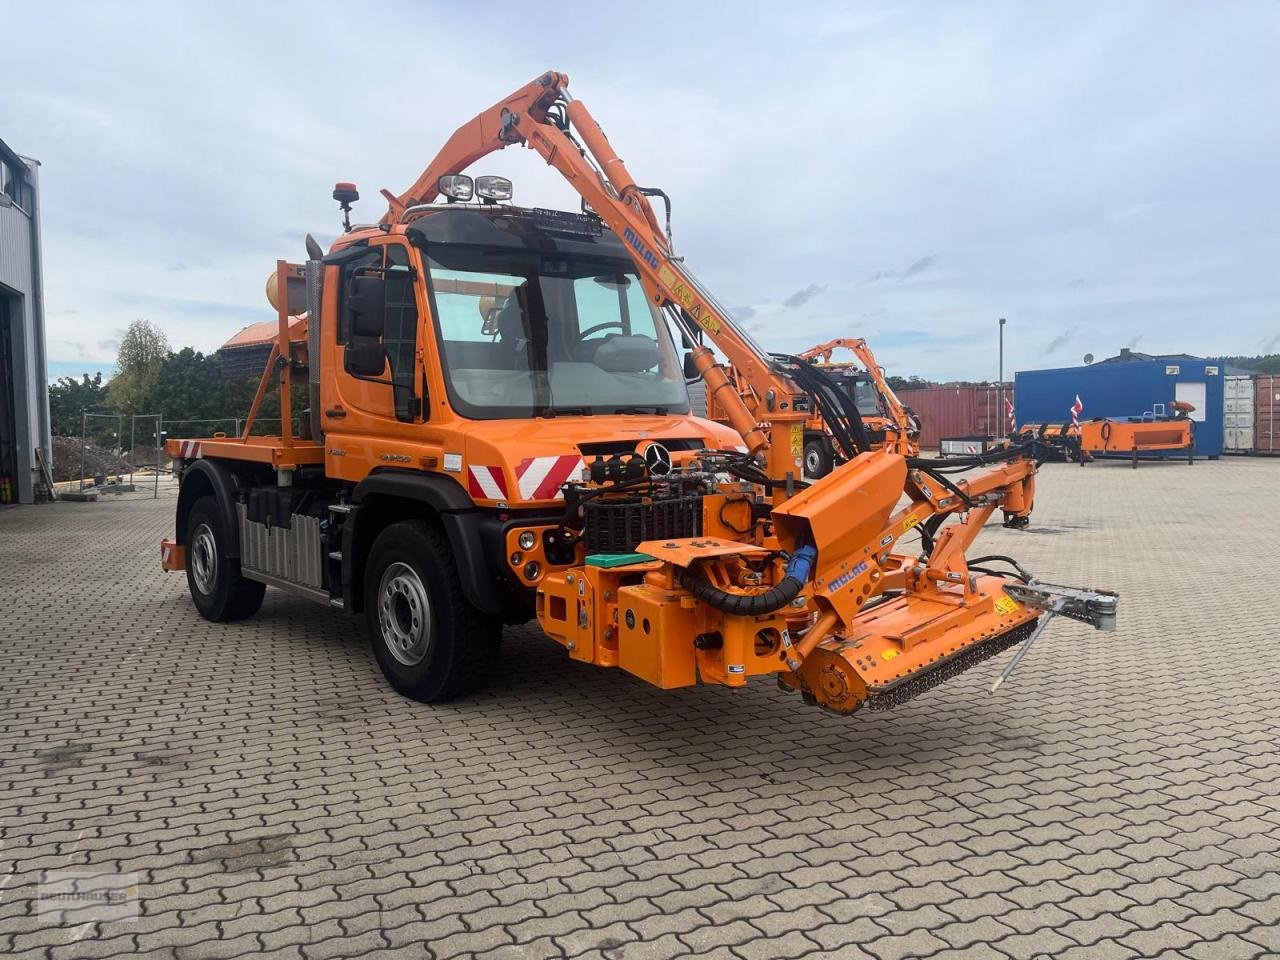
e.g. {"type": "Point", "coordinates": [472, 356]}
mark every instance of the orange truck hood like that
{"type": "Point", "coordinates": [527, 464]}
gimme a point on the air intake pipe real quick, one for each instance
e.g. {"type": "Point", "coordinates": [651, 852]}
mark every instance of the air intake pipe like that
{"type": "Point", "coordinates": [315, 296]}
{"type": "Point", "coordinates": [799, 569]}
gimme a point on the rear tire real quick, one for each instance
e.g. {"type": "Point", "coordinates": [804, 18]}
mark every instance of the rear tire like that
{"type": "Point", "coordinates": [218, 590]}
{"type": "Point", "coordinates": [431, 644]}
{"type": "Point", "coordinates": [817, 459]}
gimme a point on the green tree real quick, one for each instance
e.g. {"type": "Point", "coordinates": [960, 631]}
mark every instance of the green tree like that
{"type": "Point", "coordinates": [69, 398]}
{"type": "Point", "coordinates": [191, 387]}
{"type": "Point", "coordinates": [143, 352]}
{"type": "Point", "coordinates": [906, 383]}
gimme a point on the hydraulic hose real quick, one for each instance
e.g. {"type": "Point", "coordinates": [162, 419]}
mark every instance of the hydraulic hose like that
{"type": "Point", "coordinates": [799, 569]}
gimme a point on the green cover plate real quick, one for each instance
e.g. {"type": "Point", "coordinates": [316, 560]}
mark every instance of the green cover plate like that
{"type": "Point", "coordinates": [617, 559]}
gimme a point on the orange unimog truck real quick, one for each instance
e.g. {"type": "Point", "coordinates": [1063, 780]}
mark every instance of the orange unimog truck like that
{"type": "Point", "coordinates": [498, 430]}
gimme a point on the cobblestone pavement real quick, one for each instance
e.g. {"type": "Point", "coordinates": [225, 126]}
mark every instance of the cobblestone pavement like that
{"type": "Point", "coordinates": [271, 797]}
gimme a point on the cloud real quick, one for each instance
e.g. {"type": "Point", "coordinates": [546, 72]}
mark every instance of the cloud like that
{"type": "Point", "coordinates": [919, 267]}
{"type": "Point", "coordinates": [801, 297]}
{"type": "Point", "coordinates": [1060, 340]}
{"type": "Point", "coordinates": [1036, 151]}
{"type": "Point", "coordinates": [742, 313]}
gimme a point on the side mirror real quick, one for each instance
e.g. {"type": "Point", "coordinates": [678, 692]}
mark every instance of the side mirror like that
{"type": "Point", "coordinates": [365, 357]}
{"type": "Point", "coordinates": [368, 305]}
{"type": "Point", "coordinates": [691, 371]}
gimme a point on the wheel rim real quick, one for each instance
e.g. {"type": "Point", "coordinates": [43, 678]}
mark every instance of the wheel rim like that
{"type": "Point", "coordinates": [812, 462]}
{"type": "Point", "coordinates": [404, 613]}
{"type": "Point", "coordinates": [204, 558]}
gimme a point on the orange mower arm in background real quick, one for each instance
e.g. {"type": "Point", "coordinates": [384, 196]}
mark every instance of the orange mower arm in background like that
{"type": "Point", "coordinates": [903, 420]}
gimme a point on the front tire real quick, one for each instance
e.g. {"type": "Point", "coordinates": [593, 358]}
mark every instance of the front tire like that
{"type": "Point", "coordinates": [431, 644]}
{"type": "Point", "coordinates": [817, 459]}
{"type": "Point", "coordinates": [218, 590]}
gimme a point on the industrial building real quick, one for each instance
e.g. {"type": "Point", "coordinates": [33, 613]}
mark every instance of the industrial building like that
{"type": "Point", "coordinates": [1130, 384]}
{"type": "Point", "coordinates": [24, 391]}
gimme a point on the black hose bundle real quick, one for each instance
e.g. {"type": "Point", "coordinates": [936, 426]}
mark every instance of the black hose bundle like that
{"type": "Point", "coordinates": [1021, 573]}
{"type": "Point", "coordinates": [838, 410]}
{"type": "Point", "coordinates": [745, 468]}
{"type": "Point", "coordinates": [799, 566]}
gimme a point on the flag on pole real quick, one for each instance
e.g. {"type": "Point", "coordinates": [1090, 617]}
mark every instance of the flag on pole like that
{"type": "Point", "coordinates": [1076, 409]}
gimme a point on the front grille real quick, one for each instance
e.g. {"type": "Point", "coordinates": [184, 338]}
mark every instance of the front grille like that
{"type": "Point", "coordinates": [617, 526]}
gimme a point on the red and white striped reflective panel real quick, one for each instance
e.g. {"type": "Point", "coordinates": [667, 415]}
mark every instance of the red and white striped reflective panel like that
{"type": "Point", "coordinates": [189, 449]}
{"type": "Point", "coordinates": [489, 483]}
{"type": "Point", "coordinates": [540, 477]}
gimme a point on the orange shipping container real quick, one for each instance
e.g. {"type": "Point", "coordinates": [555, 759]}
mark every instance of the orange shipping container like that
{"type": "Point", "coordinates": [1266, 414]}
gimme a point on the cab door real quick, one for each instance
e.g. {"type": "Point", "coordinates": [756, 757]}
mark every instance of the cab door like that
{"type": "Point", "coordinates": [378, 381]}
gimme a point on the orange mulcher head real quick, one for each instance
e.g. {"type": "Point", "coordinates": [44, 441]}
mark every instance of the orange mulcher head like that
{"type": "Point", "coordinates": [898, 649]}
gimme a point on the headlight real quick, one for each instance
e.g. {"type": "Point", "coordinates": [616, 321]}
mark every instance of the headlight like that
{"type": "Point", "coordinates": [527, 540]}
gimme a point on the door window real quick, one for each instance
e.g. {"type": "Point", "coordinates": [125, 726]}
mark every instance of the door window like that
{"type": "Point", "coordinates": [399, 329]}
{"type": "Point", "coordinates": [1194, 394]}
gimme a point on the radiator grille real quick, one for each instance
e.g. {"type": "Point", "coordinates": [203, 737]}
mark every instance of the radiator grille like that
{"type": "Point", "coordinates": [618, 526]}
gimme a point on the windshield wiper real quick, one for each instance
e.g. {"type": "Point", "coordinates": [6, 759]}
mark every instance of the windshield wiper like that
{"type": "Point", "coordinates": [656, 411]}
{"type": "Point", "coordinates": [564, 412]}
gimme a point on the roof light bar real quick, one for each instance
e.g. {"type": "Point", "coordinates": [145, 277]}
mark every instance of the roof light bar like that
{"type": "Point", "coordinates": [456, 186]}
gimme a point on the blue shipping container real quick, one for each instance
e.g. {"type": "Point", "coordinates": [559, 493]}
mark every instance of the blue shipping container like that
{"type": "Point", "coordinates": [1127, 388]}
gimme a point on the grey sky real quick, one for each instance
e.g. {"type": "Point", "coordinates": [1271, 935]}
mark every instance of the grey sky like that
{"type": "Point", "coordinates": [1099, 174]}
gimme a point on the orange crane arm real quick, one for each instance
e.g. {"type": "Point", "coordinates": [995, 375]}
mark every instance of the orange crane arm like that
{"type": "Point", "coordinates": [543, 116]}
{"type": "Point", "coordinates": [859, 347]}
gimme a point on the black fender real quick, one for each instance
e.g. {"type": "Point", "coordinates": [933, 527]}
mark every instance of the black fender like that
{"type": "Point", "coordinates": [466, 525]}
{"type": "Point", "coordinates": [203, 478]}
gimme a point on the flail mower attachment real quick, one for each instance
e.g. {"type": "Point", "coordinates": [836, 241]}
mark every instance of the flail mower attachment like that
{"type": "Point", "coordinates": [897, 650]}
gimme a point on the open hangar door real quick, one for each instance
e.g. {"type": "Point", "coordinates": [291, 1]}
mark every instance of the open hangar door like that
{"type": "Point", "coordinates": [8, 374]}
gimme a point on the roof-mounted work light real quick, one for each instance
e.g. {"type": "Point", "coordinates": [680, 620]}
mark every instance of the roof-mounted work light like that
{"type": "Point", "coordinates": [346, 194]}
{"type": "Point", "coordinates": [493, 189]}
{"type": "Point", "coordinates": [456, 186]}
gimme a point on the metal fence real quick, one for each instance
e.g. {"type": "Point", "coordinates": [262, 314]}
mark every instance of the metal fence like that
{"type": "Point", "coordinates": [116, 445]}
{"type": "Point", "coordinates": [105, 432]}
{"type": "Point", "coordinates": [149, 442]}
{"type": "Point", "coordinates": [230, 426]}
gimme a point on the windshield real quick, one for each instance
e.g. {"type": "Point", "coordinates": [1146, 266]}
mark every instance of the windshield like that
{"type": "Point", "coordinates": [528, 334]}
{"type": "Point", "coordinates": [867, 398]}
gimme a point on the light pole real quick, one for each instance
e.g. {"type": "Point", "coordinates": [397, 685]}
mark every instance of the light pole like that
{"type": "Point", "coordinates": [1000, 387]}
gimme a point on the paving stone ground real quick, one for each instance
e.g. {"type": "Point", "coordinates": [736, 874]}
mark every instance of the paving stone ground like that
{"type": "Point", "coordinates": [273, 798]}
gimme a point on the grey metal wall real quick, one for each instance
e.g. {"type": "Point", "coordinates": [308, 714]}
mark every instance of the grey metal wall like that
{"type": "Point", "coordinates": [20, 278]}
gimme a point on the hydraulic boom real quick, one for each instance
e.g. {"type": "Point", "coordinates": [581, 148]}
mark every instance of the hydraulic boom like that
{"type": "Point", "coordinates": [812, 588]}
